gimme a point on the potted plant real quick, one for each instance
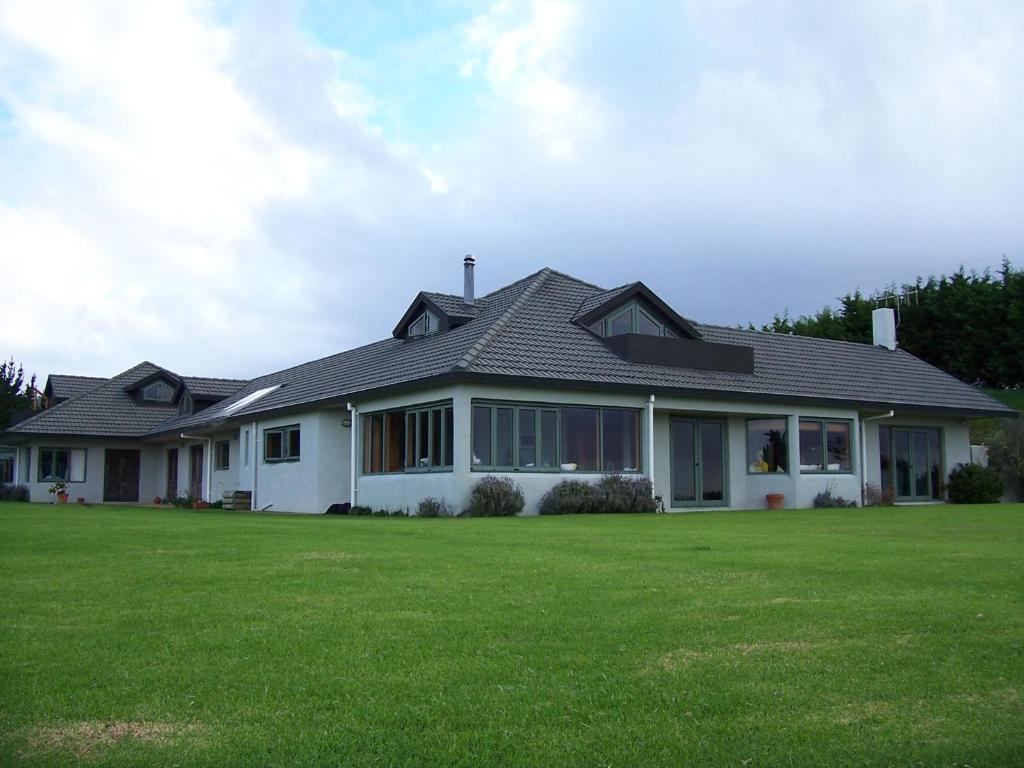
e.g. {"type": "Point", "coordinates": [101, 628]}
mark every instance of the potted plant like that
{"type": "Point", "coordinates": [157, 500]}
{"type": "Point", "coordinates": [775, 500]}
{"type": "Point", "coordinates": [60, 488]}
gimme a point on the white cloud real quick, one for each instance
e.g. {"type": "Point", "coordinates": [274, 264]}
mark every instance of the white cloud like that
{"type": "Point", "coordinates": [527, 49]}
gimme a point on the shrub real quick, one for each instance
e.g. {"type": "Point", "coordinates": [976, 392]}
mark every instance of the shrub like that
{"type": "Point", "coordinates": [360, 511]}
{"type": "Point", "coordinates": [975, 484]}
{"type": "Point", "coordinates": [611, 494]}
{"type": "Point", "coordinates": [397, 513]}
{"type": "Point", "coordinates": [431, 507]}
{"type": "Point", "coordinates": [495, 497]}
{"type": "Point", "coordinates": [379, 513]}
{"type": "Point", "coordinates": [876, 496]}
{"type": "Point", "coordinates": [1006, 453]}
{"type": "Point", "coordinates": [570, 497]}
{"type": "Point", "coordinates": [622, 494]}
{"type": "Point", "coordinates": [827, 500]}
{"type": "Point", "coordinates": [13, 493]}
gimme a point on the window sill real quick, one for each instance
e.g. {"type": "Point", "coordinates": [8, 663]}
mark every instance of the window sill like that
{"type": "Point", "coordinates": [280, 461]}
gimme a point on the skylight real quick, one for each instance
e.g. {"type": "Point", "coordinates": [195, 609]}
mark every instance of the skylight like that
{"type": "Point", "coordinates": [249, 399]}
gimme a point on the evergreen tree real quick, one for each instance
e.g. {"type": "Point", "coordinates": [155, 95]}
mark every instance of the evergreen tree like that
{"type": "Point", "coordinates": [15, 396]}
{"type": "Point", "coordinates": [968, 324]}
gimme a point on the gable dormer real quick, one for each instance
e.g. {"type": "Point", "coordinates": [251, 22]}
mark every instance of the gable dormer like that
{"type": "Point", "coordinates": [159, 388]}
{"type": "Point", "coordinates": [432, 313]}
{"type": "Point", "coordinates": [641, 328]}
{"type": "Point", "coordinates": [633, 308]}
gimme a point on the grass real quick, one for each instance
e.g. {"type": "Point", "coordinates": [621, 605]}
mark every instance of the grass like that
{"type": "Point", "coordinates": [890, 637]}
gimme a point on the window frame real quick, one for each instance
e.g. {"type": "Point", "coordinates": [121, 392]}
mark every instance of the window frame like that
{"type": "Point", "coordinates": [218, 446]}
{"type": "Point", "coordinates": [823, 422]}
{"type": "Point", "coordinates": [412, 420]}
{"type": "Point", "coordinates": [768, 472]}
{"type": "Point", "coordinates": [284, 432]}
{"type": "Point", "coordinates": [539, 445]}
{"type": "Point", "coordinates": [431, 325]}
{"type": "Point", "coordinates": [68, 450]}
{"type": "Point", "coordinates": [603, 326]}
{"type": "Point", "coordinates": [164, 387]}
{"type": "Point", "coordinates": [914, 497]}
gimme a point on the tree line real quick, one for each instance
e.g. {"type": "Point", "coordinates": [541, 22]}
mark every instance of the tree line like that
{"type": "Point", "coordinates": [970, 325]}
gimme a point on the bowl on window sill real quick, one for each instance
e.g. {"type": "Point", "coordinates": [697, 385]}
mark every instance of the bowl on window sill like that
{"type": "Point", "coordinates": [569, 467]}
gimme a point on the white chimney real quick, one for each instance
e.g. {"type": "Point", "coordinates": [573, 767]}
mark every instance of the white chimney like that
{"type": "Point", "coordinates": [467, 280]}
{"type": "Point", "coordinates": [883, 328]}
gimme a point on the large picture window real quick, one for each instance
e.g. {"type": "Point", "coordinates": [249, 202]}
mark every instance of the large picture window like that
{"type": "Point", "coordinates": [67, 464]}
{"type": "Point", "coordinates": [825, 446]}
{"type": "Point", "coordinates": [767, 446]}
{"type": "Point", "coordinates": [534, 437]}
{"type": "Point", "coordinates": [412, 439]}
{"type": "Point", "coordinates": [282, 444]}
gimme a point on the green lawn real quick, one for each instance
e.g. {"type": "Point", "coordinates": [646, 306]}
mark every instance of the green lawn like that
{"type": "Point", "coordinates": [884, 637]}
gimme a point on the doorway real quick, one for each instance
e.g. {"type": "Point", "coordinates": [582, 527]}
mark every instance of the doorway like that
{"type": "Point", "coordinates": [698, 476]}
{"type": "Point", "coordinates": [172, 474]}
{"type": "Point", "coordinates": [195, 471]}
{"type": "Point", "coordinates": [911, 462]}
{"type": "Point", "coordinates": [121, 475]}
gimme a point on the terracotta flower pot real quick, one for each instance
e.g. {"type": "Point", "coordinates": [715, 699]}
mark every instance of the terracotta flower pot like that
{"type": "Point", "coordinates": [157, 500]}
{"type": "Point", "coordinates": [775, 500]}
{"type": "Point", "coordinates": [62, 498]}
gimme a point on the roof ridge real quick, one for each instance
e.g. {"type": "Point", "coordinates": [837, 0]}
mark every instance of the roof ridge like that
{"type": "Point", "coordinates": [539, 279]}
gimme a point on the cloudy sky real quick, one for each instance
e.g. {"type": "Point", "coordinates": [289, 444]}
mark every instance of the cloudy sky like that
{"type": "Point", "coordinates": [227, 189]}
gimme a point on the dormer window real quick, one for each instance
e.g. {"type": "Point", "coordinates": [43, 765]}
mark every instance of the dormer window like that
{"type": "Point", "coordinates": [632, 318]}
{"type": "Point", "coordinates": [423, 325]}
{"type": "Point", "coordinates": [158, 392]}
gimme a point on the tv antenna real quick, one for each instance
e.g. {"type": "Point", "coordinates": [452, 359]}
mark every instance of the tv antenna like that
{"type": "Point", "coordinates": [899, 300]}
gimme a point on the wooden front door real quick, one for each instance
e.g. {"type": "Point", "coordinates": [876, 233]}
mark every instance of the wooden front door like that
{"type": "Point", "coordinates": [195, 471]}
{"type": "Point", "coordinates": [172, 474]}
{"type": "Point", "coordinates": [121, 475]}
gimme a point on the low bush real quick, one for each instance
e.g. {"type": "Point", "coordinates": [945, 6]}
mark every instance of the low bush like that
{"type": "Point", "coordinates": [431, 507]}
{"type": "Point", "coordinates": [570, 497]}
{"type": "Point", "coordinates": [495, 497]}
{"type": "Point", "coordinates": [876, 496]}
{"type": "Point", "coordinates": [622, 494]}
{"type": "Point", "coordinates": [359, 511]}
{"type": "Point", "coordinates": [828, 500]}
{"type": "Point", "coordinates": [612, 494]}
{"type": "Point", "coordinates": [975, 484]}
{"type": "Point", "coordinates": [13, 493]}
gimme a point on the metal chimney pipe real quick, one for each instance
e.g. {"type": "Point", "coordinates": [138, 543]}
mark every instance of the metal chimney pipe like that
{"type": "Point", "coordinates": [468, 288]}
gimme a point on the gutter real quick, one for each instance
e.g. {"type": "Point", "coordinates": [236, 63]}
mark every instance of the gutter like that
{"type": "Point", "coordinates": [650, 442]}
{"type": "Point", "coordinates": [864, 450]}
{"type": "Point", "coordinates": [352, 489]}
{"type": "Point", "coordinates": [255, 464]}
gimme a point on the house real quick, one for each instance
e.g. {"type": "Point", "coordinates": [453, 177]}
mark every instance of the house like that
{"type": "Point", "coordinates": [545, 379]}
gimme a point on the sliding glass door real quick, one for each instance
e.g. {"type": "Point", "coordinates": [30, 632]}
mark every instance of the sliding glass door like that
{"type": "Point", "coordinates": [698, 462]}
{"type": "Point", "coordinates": [911, 462]}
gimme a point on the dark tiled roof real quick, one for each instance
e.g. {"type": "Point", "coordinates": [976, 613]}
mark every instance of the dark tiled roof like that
{"type": "Point", "coordinates": [526, 331]}
{"type": "Point", "coordinates": [103, 411]}
{"type": "Point", "coordinates": [595, 300]}
{"type": "Point", "coordinates": [212, 389]}
{"type": "Point", "coordinates": [453, 305]}
{"type": "Point", "coordinates": [63, 386]}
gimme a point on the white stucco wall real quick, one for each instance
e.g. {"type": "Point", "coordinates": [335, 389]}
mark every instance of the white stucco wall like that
{"type": "Point", "coordinates": [151, 468]}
